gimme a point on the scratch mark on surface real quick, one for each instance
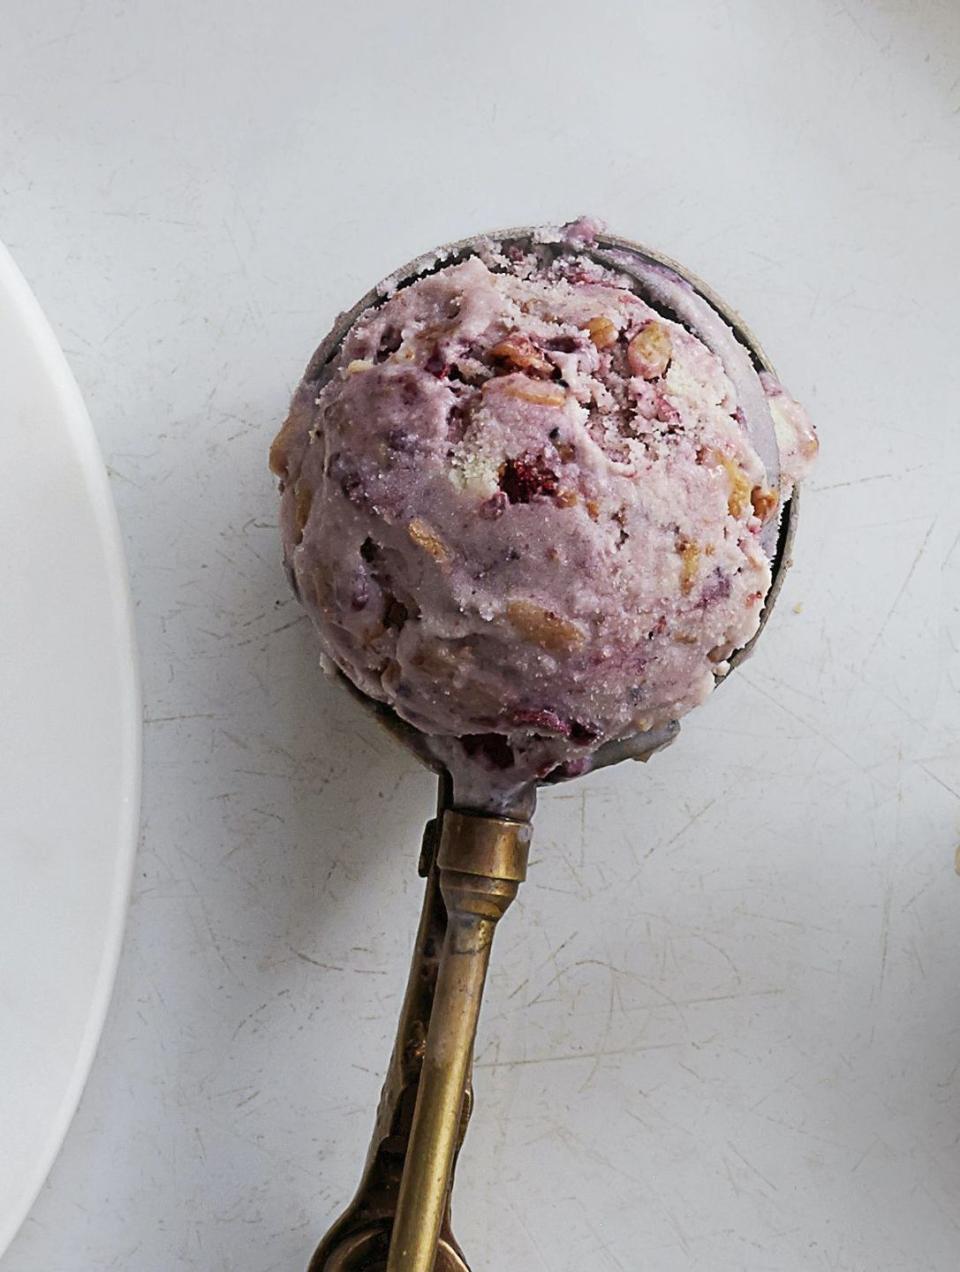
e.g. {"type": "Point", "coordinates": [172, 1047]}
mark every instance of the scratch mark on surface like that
{"type": "Point", "coordinates": [208, 921]}
{"type": "Point", "coordinates": [604, 1246]}
{"type": "Point", "coordinates": [916, 955]}
{"type": "Point", "coordinates": [951, 1220]}
{"type": "Point", "coordinates": [636, 1049]}
{"type": "Point", "coordinates": [534, 1244]}
{"type": "Point", "coordinates": [607, 1029]}
{"type": "Point", "coordinates": [903, 587]}
{"type": "Point", "coordinates": [950, 551]}
{"type": "Point", "coordinates": [885, 933]}
{"type": "Point", "coordinates": [723, 954]}
{"type": "Point", "coordinates": [733, 1183]}
{"type": "Point", "coordinates": [862, 481]}
{"type": "Point", "coordinates": [249, 1016]}
{"type": "Point", "coordinates": [917, 895]}
{"type": "Point", "coordinates": [750, 1166]}
{"type": "Point", "coordinates": [583, 826]}
{"type": "Point", "coordinates": [315, 962]}
{"type": "Point", "coordinates": [185, 715]}
{"type": "Point", "coordinates": [939, 781]}
{"type": "Point", "coordinates": [948, 1080]}
{"type": "Point", "coordinates": [824, 737]}
{"type": "Point", "coordinates": [864, 1155]}
{"type": "Point", "coordinates": [691, 821]}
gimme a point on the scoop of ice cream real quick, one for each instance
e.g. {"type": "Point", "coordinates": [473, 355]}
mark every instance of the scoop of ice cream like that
{"type": "Point", "coordinates": [526, 509]}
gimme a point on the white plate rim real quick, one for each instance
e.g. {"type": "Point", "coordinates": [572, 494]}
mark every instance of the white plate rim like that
{"type": "Point", "coordinates": [78, 427]}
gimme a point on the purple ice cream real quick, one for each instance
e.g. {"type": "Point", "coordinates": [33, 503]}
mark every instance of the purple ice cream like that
{"type": "Point", "coordinates": [530, 512]}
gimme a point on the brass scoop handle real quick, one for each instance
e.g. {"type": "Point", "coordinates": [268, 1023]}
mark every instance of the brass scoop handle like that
{"type": "Point", "coordinates": [474, 865]}
{"type": "Point", "coordinates": [482, 862]}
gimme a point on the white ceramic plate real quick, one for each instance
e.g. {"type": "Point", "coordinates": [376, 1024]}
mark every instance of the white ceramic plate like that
{"type": "Point", "coordinates": [69, 747]}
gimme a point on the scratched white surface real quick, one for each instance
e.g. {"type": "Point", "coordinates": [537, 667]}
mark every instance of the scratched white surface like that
{"type": "Point", "coordinates": [723, 1026]}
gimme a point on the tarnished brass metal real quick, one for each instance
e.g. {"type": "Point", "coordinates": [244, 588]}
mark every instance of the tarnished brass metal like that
{"type": "Point", "coordinates": [474, 866]}
{"type": "Point", "coordinates": [496, 848]}
{"type": "Point", "coordinates": [482, 862]}
{"type": "Point", "coordinates": [360, 1239]}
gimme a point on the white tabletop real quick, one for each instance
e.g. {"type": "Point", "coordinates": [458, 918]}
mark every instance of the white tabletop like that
{"type": "Point", "coordinates": [722, 1029]}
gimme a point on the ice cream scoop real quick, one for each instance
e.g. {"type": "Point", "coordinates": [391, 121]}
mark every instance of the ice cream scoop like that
{"type": "Point", "coordinates": [531, 499]}
{"type": "Point", "coordinates": [537, 497]}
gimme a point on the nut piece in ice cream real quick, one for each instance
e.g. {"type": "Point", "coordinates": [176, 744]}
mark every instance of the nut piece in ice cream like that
{"type": "Point", "coordinates": [650, 350]}
{"type": "Point", "coordinates": [602, 332]}
{"type": "Point", "coordinates": [424, 536]}
{"type": "Point", "coordinates": [543, 627]}
{"type": "Point", "coordinates": [520, 352]}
